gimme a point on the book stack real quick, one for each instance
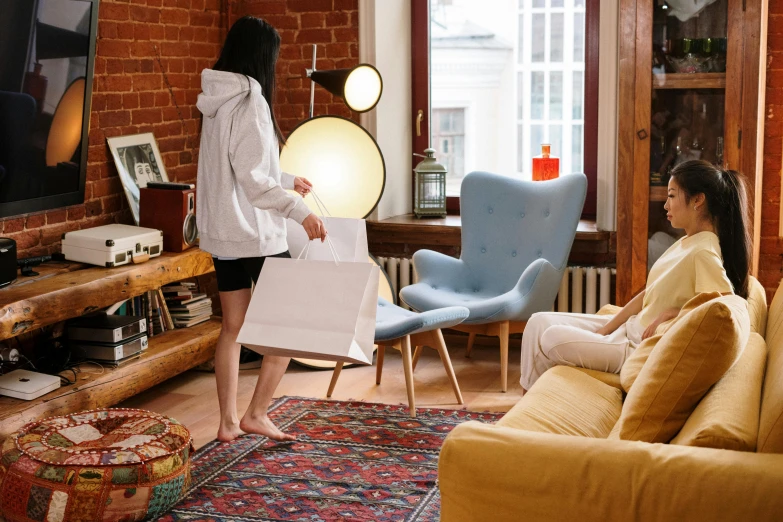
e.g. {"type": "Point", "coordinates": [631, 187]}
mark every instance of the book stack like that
{"type": "Point", "coordinates": [186, 306]}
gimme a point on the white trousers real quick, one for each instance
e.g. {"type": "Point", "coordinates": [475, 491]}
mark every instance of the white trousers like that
{"type": "Point", "coordinates": [552, 339]}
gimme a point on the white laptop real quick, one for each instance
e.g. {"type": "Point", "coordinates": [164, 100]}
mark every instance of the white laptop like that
{"type": "Point", "coordinates": [27, 385]}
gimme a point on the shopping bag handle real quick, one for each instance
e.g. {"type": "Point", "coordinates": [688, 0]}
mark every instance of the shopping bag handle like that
{"type": "Point", "coordinates": [320, 204]}
{"type": "Point", "coordinates": [306, 250]}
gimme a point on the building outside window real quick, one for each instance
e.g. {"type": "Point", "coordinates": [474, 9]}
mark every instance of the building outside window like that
{"type": "Point", "coordinates": [506, 76]}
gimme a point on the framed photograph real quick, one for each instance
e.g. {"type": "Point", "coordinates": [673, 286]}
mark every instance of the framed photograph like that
{"type": "Point", "coordinates": [138, 161]}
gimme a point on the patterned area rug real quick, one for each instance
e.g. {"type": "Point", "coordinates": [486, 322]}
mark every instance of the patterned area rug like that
{"type": "Point", "coordinates": [354, 461]}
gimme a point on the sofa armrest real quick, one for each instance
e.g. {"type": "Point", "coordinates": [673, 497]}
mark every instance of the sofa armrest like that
{"type": "Point", "coordinates": [494, 473]}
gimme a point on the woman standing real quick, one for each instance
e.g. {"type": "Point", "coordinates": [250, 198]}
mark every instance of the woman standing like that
{"type": "Point", "coordinates": [243, 204]}
{"type": "Point", "coordinates": [710, 204]}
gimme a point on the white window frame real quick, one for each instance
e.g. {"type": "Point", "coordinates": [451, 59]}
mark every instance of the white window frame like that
{"type": "Point", "coordinates": [526, 67]}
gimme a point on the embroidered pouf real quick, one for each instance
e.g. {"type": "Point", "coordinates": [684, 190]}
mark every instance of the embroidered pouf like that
{"type": "Point", "coordinates": [101, 465]}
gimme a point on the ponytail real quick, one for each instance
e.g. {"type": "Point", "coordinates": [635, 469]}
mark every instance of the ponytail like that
{"type": "Point", "coordinates": [733, 232]}
{"type": "Point", "coordinates": [727, 202]}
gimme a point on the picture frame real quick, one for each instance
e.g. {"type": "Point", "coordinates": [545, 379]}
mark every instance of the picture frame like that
{"type": "Point", "coordinates": [138, 162]}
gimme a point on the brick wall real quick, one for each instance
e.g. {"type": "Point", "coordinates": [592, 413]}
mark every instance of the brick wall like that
{"type": "Point", "coordinates": [771, 265]}
{"type": "Point", "coordinates": [333, 25]}
{"type": "Point", "coordinates": [137, 40]}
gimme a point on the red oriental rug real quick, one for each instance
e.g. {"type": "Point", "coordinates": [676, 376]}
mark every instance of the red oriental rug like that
{"type": "Point", "coordinates": [354, 461]}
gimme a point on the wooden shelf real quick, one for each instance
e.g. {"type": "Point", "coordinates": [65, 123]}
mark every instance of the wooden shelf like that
{"type": "Point", "coordinates": [66, 290]}
{"type": "Point", "coordinates": [658, 193]}
{"type": "Point", "coordinates": [168, 354]}
{"type": "Point", "coordinates": [689, 81]}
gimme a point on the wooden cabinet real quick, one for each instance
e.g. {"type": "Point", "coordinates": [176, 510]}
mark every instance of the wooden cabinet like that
{"type": "Point", "coordinates": [690, 86]}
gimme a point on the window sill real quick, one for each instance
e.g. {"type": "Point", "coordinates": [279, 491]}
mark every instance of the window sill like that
{"type": "Point", "coordinates": [401, 236]}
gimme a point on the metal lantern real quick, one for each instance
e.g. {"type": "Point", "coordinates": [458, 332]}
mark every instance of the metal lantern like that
{"type": "Point", "coordinates": [430, 194]}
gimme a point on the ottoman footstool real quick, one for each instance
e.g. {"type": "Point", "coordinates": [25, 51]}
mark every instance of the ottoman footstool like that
{"type": "Point", "coordinates": [101, 465]}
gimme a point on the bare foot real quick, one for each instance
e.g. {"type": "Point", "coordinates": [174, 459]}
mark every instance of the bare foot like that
{"type": "Point", "coordinates": [263, 426]}
{"type": "Point", "coordinates": [228, 432]}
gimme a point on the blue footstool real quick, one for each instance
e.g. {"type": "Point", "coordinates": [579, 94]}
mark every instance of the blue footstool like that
{"type": "Point", "coordinates": [400, 328]}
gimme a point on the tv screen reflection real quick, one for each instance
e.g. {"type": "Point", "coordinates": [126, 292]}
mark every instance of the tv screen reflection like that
{"type": "Point", "coordinates": [43, 80]}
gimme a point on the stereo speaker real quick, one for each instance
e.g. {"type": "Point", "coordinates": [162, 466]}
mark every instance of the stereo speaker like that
{"type": "Point", "coordinates": [173, 212]}
{"type": "Point", "coordinates": [7, 261]}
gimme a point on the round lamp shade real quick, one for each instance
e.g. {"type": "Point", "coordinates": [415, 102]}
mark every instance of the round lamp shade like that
{"type": "Point", "coordinates": [385, 290]}
{"type": "Point", "coordinates": [65, 134]}
{"type": "Point", "coordinates": [363, 88]}
{"type": "Point", "coordinates": [343, 162]}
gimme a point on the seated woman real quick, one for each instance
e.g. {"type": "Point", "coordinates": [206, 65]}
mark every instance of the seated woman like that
{"type": "Point", "coordinates": [710, 204]}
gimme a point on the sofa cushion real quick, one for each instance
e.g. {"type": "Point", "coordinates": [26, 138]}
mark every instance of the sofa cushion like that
{"type": "Point", "coordinates": [757, 306]}
{"type": "Point", "coordinates": [693, 354]}
{"type": "Point", "coordinates": [771, 422]}
{"type": "Point", "coordinates": [728, 416]}
{"type": "Point", "coordinates": [612, 379]}
{"type": "Point", "coordinates": [633, 365]}
{"type": "Point", "coordinates": [567, 402]}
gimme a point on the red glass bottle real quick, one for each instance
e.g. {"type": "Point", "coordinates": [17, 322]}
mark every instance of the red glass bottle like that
{"type": "Point", "coordinates": [545, 167]}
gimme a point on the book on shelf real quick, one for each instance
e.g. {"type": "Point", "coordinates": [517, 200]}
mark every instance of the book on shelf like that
{"type": "Point", "coordinates": [185, 305]}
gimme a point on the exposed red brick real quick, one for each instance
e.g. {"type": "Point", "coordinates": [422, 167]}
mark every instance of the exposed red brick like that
{"type": "Point", "coordinates": [35, 221]}
{"type": "Point", "coordinates": [130, 94]}
{"type": "Point", "coordinates": [55, 216]}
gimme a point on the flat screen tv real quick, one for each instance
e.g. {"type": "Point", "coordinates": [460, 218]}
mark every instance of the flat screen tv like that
{"type": "Point", "coordinates": [47, 53]}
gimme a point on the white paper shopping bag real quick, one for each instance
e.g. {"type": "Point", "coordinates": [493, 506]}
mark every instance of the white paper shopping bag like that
{"type": "Point", "coordinates": [348, 236]}
{"type": "Point", "coordinates": [322, 310]}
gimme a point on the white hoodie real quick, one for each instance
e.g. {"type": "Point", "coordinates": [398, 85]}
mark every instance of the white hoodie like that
{"type": "Point", "coordinates": [241, 198]}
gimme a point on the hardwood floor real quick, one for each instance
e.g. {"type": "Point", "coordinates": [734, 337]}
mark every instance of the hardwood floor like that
{"type": "Point", "coordinates": [191, 397]}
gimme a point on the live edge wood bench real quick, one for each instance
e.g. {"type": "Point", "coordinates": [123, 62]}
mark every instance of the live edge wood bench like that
{"type": "Point", "coordinates": [65, 290]}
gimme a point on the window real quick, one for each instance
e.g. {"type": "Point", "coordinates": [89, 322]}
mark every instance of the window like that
{"type": "Point", "coordinates": [448, 137]}
{"type": "Point", "coordinates": [528, 75]}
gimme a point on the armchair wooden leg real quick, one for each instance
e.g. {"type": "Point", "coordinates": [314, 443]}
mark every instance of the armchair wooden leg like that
{"type": "Point", "coordinates": [335, 375]}
{"type": "Point", "coordinates": [407, 365]}
{"type": "Point", "coordinates": [444, 356]}
{"type": "Point", "coordinates": [471, 339]}
{"type": "Point", "coordinates": [503, 334]}
{"type": "Point", "coordinates": [416, 355]}
{"type": "Point", "coordinates": [379, 364]}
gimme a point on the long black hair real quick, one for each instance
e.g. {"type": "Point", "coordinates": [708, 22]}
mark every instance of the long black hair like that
{"type": "Point", "coordinates": [251, 48]}
{"type": "Point", "coordinates": [727, 203]}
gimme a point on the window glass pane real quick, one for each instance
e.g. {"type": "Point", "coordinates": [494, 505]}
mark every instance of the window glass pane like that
{"type": "Point", "coordinates": [579, 37]}
{"type": "Point", "coordinates": [576, 148]}
{"type": "Point", "coordinates": [536, 139]}
{"type": "Point", "coordinates": [578, 3]}
{"type": "Point", "coordinates": [520, 41]}
{"type": "Point", "coordinates": [556, 38]}
{"type": "Point", "coordinates": [557, 3]}
{"type": "Point", "coordinates": [538, 44]}
{"type": "Point", "coordinates": [520, 96]}
{"type": "Point", "coordinates": [537, 95]}
{"type": "Point", "coordinates": [520, 148]}
{"type": "Point", "coordinates": [579, 94]}
{"type": "Point", "coordinates": [448, 138]}
{"type": "Point", "coordinates": [556, 140]}
{"type": "Point", "coordinates": [539, 3]}
{"type": "Point", "coordinates": [556, 95]}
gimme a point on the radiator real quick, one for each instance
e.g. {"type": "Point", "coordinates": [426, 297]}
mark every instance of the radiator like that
{"type": "Point", "coordinates": [582, 289]}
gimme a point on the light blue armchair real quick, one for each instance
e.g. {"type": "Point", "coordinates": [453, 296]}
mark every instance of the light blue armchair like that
{"type": "Point", "coordinates": [516, 237]}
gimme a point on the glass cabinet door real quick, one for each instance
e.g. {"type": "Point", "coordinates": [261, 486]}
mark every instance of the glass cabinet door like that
{"type": "Point", "coordinates": [688, 110]}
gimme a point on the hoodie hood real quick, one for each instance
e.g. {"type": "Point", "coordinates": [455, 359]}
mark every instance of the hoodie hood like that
{"type": "Point", "coordinates": [223, 89]}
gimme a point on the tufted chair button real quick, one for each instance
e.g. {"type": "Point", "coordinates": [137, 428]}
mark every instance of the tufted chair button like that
{"type": "Point", "coordinates": [483, 250]}
{"type": "Point", "coordinates": [539, 253]}
{"type": "Point", "coordinates": [546, 213]}
{"type": "Point", "coordinates": [514, 253]}
{"type": "Point", "coordinates": [490, 210]}
{"type": "Point", "coordinates": [521, 214]}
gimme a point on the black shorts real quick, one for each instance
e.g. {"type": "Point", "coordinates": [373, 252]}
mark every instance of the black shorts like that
{"type": "Point", "coordinates": [237, 274]}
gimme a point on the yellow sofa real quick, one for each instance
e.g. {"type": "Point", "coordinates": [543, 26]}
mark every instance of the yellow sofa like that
{"type": "Point", "coordinates": [549, 458]}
